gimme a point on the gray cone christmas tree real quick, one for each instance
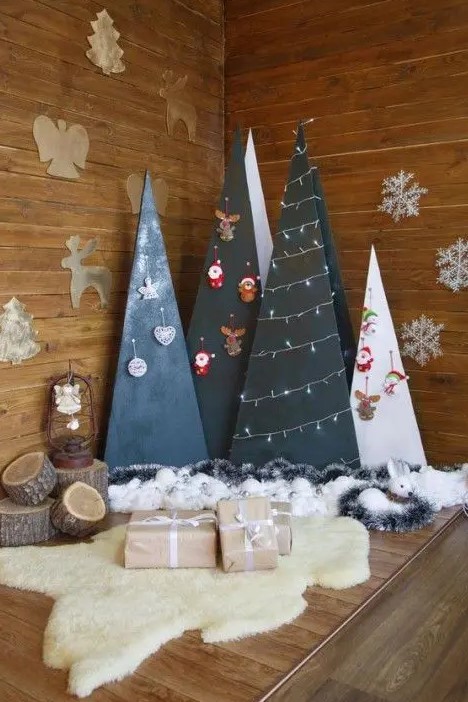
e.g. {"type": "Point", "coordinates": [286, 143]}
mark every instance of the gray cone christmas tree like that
{"type": "Point", "coordinates": [295, 402]}
{"type": "Point", "coordinates": [17, 335]}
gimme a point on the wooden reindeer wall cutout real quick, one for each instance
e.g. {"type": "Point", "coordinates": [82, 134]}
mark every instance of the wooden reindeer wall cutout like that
{"type": "Point", "coordinates": [105, 52]}
{"type": "Point", "coordinates": [178, 108]}
{"type": "Point", "coordinates": [135, 184]}
{"type": "Point", "coordinates": [61, 146]}
{"type": "Point", "coordinates": [97, 277]}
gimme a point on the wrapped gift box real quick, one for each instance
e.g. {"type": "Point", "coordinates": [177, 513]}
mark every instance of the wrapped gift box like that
{"type": "Point", "coordinates": [171, 539]}
{"type": "Point", "coordinates": [281, 512]}
{"type": "Point", "coordinates": [247, 534]}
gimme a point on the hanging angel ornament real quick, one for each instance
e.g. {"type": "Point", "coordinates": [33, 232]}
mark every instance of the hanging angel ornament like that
{"type": "Point", "coordinates": [67, 401]}
{"type": "Point", "coordinates": [225, 227]}
{"type": "Point", "coordinates": [233, 343]}
{"type": "Point", "coordinates": [148, 290]}
{"type": "Point", "coordinates": [215, 273]}
{"type": "Point", "coordinates": [369, 318]}
{"type": "Point", "coordinates": [366, 407]}
{"type": "Point", "coordinates": [393, 379]}
{"type": "Point", "coordinates": [364, 358]}
{"type": "Point", "coordinates": [248, 286]}
{"type": "Point", "coordinates": [201, 364]}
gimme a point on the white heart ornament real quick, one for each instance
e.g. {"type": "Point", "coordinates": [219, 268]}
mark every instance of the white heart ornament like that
{"type": "Point", "coordinates": [165, 335]}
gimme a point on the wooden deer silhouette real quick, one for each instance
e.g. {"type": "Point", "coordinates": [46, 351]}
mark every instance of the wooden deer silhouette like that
{"type": "Point", "coordinates": [177, 106]}
{"type": "Point", "coordinates": [97, 277]}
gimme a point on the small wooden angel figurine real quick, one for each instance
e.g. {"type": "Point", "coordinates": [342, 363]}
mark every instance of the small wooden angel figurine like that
{"type": "Point", "coordinates": [233, 344]}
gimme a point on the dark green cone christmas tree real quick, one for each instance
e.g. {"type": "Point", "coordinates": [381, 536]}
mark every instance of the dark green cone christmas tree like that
{"type": "Point", "coordinates": [295, 403]}
{"type": "Point", "coordinates": [225, 310]}
{"type": "Point", "coordinates": [343, 318]}
{"type": "Point", "coordinates": [154, 416]}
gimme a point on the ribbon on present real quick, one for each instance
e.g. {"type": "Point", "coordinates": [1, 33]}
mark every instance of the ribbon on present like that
{"type": "Point", "coordinates": [174, 522]}
{"type": "Point", "coordinates": [254, 536]}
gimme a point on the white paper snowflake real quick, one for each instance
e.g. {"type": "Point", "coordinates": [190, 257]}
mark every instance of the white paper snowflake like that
{"type": "Point", "coordinates": [453, 265]}
{"type": "Point", "coordinates": [422, 339]}
{"type": "Point", "coordinates": [399, 200]}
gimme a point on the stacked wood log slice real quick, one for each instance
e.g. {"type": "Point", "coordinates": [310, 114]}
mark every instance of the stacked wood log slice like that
{"type": "Point", "coordinates": [29, 479]}
{"type": "Point", "coordinates": [79, 509]}
{"type": "Point", "coordinates": [95, 475]}
{"type": "Point", "coordinates": [21, 525]}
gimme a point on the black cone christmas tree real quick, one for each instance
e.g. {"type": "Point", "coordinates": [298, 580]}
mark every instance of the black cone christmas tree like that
{"type": "Point", "coordinates": [154, 416]}
{"type": "Point", "coordinates": [226, 310]}
{"type": "Point", "coordinates": [343, 318]}
{"type": "Point", "coordinates": [295, 402]}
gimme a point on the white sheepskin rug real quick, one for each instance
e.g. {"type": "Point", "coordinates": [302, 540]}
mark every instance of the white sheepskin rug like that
{"type": "Point", "coordinates": [106, 620]}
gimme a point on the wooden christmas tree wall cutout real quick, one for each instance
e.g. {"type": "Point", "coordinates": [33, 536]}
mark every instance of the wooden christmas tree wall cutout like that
{"type": "Point", "coordinates": [63, 147]}
{"type": "Point", "coordinates": [219, 305]}
{"type": "Point", "coordinates": [17, 335]}
{"type": "Point", "coordinates": [393, 431]}
{"type": "Point", "coordinates": [82, 277]}
{"type": "Point", "coordinates": [155, 418]}
{"type": "Point", "coordinates": [105, 52]}
{"type": "Point", "coordinates": [178, 107]}
{"type": "Point", "coordinates": [135, 183]}
{"type": "Point", "coordinates": [295, 402]}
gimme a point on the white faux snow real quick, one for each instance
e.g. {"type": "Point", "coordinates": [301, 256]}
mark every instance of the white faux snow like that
{"type": "Point", "coordinates": [453, 265]}
{"type": "Point", "coordinates": [400, 200]}
{"type": "Point", "coordinates": [422, 339]}
{"type": "Point", "coordinates": [200, 491]}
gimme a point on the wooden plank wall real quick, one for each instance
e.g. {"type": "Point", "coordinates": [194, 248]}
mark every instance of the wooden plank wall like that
{"type": "Point", "coordinates": [44, 70]}
{"type": "Point", "coordinates": [386, 83]}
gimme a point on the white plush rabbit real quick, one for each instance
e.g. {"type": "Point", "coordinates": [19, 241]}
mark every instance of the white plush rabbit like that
{"type": "Point", "coordinates": [400, 485]}
{"type": "Point", "coordinates": [442, 488]}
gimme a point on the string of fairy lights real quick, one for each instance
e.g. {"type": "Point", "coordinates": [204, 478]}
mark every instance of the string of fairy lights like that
{"type": "Point", "coordinates": [286, 318]}
{"type": "Point", "coordinates": [287, 430]}
{"type": "Point", "coordinates": [305, 281]}
{"type": "Point", "coordinates": [289, 347]}
{"type": "Point", "coordinates": [306, 387]}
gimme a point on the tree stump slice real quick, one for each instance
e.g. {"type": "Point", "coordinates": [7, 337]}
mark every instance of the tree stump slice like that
{"type": "Point", "coordinates": [29, 479]}
{"type": "Point", "coordinates": [21, 525]}
{"type": "Point", "coordinates": [78, 511]}
{"type": "Point", "coordinates": [96, 475]}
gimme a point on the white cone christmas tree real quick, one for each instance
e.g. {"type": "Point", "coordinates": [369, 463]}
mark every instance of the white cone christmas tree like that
{"type": "Point", "coordinates": [17, 335]}
{"type": "Point", "coordinates": [262, 231]}
{"type": "Point", "coordinates": [383, 413]}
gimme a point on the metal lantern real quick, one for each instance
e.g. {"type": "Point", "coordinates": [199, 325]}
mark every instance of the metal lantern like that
{"type": "Point", "coordinates": [71, 424]}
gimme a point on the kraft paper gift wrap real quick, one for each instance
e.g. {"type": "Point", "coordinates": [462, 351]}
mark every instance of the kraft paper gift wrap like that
{"type": "Point", "coordinates": [282, 519]}
{"type": "Point", "coordinates": [171, 539]}
{"type": "Point", "coordinates": [247, 534]}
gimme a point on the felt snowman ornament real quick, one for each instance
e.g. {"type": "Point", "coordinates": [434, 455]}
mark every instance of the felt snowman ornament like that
{"type": "Point", "coordinates": [369, 321]}
{"type": "Point", "coordinates": [364, 359]}
{"type": "Point", "coordinates": [215, 273]}
{"type": "Point", "coordinates": [393, 379]}
{"type": "Point", "coordinates": [201, 364]}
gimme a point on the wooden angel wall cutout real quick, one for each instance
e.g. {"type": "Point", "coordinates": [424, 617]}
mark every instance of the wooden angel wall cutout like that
{"type": "Point", "coordinates": [105, 52]}
{"type": "Point", "coordinates": [97, 277]}
{"type": "Point", "coordinates": [178, 107]}
{"type": "Point", "coordinates": [64, 148]}
{"type": "Point", "coordinates": [135, 183]}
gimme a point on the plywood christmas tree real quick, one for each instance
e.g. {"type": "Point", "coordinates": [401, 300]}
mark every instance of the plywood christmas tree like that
{"type": "Point", "coordinates": [295, 402]}
{"type": "Point", "coordinates": [154, 416]}
{"type": "Point", "coordinates": [385, 427]}
{"type": "Point", "coordinates": [226, 309]}
{"type": "Point", "coordinates": [17, 335]}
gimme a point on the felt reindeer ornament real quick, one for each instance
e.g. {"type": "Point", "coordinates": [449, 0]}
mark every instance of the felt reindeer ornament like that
{"type": "Point", "coordinates": [225, 227]}
{"type": "Point", "coordinates": [366, 407]}
{"type": "Point", "coordinates": [233, 344]}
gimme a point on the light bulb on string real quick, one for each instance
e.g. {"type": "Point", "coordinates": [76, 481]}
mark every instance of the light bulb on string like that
{"type": "Point", "coordinates": [318, 425]}
{"type": "Point", "coordinates": [269, 437]}
{"type": "Point", "coordinates": [335, 418]}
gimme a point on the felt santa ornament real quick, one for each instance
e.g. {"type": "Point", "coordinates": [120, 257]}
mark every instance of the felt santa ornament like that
{"type": "Point", "coordinates": [393, 379]}
{"type": "Point", "coordinates": [201, 364]}
{"type": "Point", "coordinates": [215, 273]}
{"type": "Point", "coordinates": [248, 286]}
{"type": "Point", "coordinates": [364, 359]}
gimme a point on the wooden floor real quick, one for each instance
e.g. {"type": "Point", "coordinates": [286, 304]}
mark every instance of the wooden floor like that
{"type": "Point", "coordinates": [186, 670]}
